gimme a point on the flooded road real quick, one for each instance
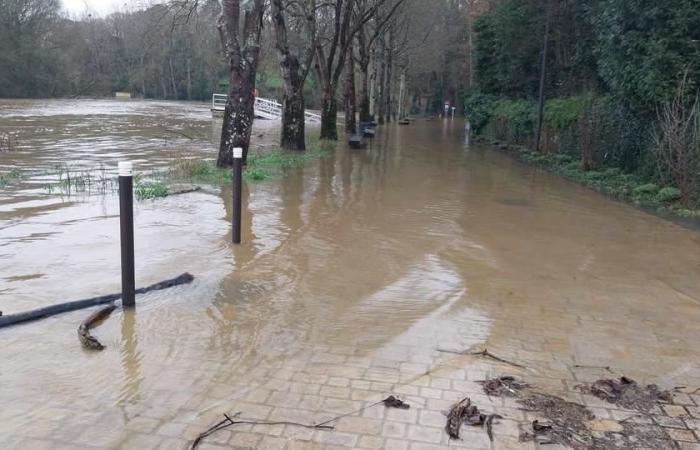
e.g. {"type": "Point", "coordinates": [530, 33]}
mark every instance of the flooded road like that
{"type": "Point", "coordinates": [361, 274]}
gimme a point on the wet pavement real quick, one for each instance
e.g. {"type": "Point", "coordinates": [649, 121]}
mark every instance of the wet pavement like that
{"type": "Point", "coordinates": [361, 275]}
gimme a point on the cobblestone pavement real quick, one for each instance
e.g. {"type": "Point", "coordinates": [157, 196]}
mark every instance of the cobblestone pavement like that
{"type": "Point", "coordinates": [317, 383]}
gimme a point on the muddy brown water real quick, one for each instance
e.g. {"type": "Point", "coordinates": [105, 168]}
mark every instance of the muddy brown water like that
{"type": "Point", "coordinates": [415, 244]}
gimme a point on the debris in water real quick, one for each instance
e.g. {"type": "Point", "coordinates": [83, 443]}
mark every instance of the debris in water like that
{"type": "Point", "coordinates": [88, 341]}
{"type": "Point", "coordinates": [505, 385]}
{"type": "Point", "coordinates": [52, 310]}
{"type": "Point", "coordinates": [464, 412]}
{"type": "Point", "coordinates": [565, 421]}
{"type": "Point", "coordinates": [389, 402]}
{"type": "Point", "coordinates": [393, 402]}
{"type": "Point", "coordinates": [484, 353]}
{"type": "Point", "coordinates": [228, 421]}
{"type": "Point", "coordinates": [628, 393]}
{"type": "Point", "coordinates": [541, 427]}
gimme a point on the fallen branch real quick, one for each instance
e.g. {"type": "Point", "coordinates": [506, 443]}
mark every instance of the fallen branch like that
{"type": "Point", "coordinates": [228, 422]}
{"type": "Point", "coordinates": [389, 402]}
{"type": "Point", "coordinates": [485, 353]}
{"type": "Point", "coordinates": [40, 313]}
{"type": "Point", "coordinates": [88, 341]}
{"type": "Point", "coordinates": [583, 366]}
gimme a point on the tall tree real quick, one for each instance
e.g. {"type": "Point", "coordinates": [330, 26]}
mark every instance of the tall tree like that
{"type": "Point", "coordinates": [330, 59]}
{"type": "Point", "coordinates": [294, 67]}
{"type": "Point", "coordinates": [241, 43]}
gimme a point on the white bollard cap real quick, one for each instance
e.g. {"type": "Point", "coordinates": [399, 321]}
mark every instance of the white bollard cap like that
{"type": "Point", "coordinates": [126, 168]}
{"type": "Point", "coordinates": [238, 152]}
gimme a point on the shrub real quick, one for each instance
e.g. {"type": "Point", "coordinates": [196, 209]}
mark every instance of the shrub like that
{"type": "Point", "coordinates": [649, 189]}
{"type": "Point", "coordinates": [668, 194]}
{"type": "Point", "coordinates": [563, 113]}
{"type": "Point", "coordinates": [478, 108]}
{"type": "Point", "coordinates": [516, 118]}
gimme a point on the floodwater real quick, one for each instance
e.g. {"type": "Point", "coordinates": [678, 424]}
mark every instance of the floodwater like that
{"type": "Point", "coordinates": [363, 260]}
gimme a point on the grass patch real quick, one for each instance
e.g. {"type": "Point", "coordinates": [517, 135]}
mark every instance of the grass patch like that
{"type": "Point", "coordinates": [261, 165]}
{"type": "Point", "coordinates": [144, 190]}
{"type": "Point", "coordinates": [10, 177]}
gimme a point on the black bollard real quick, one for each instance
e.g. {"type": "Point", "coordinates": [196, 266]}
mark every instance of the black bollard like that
{"type": "Point", "coordinates": [126, 224]}
{"type": "Point", "coordinates": [237, 194]}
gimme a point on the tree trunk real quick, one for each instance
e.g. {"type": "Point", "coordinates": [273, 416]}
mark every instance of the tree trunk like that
{"type": "Point", "coordinates": [189, 79]}
{"type": "Point", "coordinates": [243, 66]}
{"type": "Point", "coordinates": [350, 106]}
{"type": "Point", "coordinates": [390, 57]}
{"type": "Point", "coordinates": [329, 116]}
{"type": "Point", "coordinates": [294, 74]}
{"type": "Point", "coordinates": [238, 117]}
{"type": "Point", "coordinates": [365, 115]}
{"type": "Point", "coordinates": [172, 78]}
{"type": "Point", "coordinates": [365, 55]}
{"type": "Point", "coordinates": [293, 126]}
{"type": "Point", "coordinates": [381, 85]}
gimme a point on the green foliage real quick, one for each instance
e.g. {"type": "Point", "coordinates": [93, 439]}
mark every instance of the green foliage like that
{"type": "Point", "coordinates": [9, 177]}
{"type": "Point", "coordinates": [644, 47]}
{"type": "Point", "coordinates": [563, 113]}
{"type": "Point", "coordinates": [478, 108]}
{"type": "Point", "coordinates": [506, 55]}
{"type": "Point", "coordinates": [515, 118]}
{"type": "Point", "coordinates": [144, 190]}
{"type": "Point", "coordinates": [260, 165]}
{"type": "Point", "coordinates": [668, 194]}
{"type": "Point", "coordinates": [646, 190]}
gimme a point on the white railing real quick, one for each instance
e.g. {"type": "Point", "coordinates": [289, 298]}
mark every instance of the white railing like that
{"type": "Point", "coordinates": [265, 108]}
{"type": "Point", "coordinates": [218, 102]}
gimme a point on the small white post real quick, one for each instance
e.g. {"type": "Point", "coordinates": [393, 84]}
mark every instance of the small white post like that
{"type": "Point", "coordinates": [237, 194]}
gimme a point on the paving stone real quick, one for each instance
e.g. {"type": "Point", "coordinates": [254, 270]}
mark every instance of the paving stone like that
{"type": "Point", "coordinates": [244, 439]}
{"type": "Point", "coordinates": [335, 392]}
{"type": "Point", "coordinates": [605, 426]}
{"type": "Point", "coordinates": [394, 429]}
{"type": "Point", "coordinates": [666, 421]}
{"type": "Point", "coordinates": [371, 442]}
{"type": "Point", "coordinates": [425, 434]}
{"type": "Point", "coordinates": [681, 435]}
{"type": "Point", "coordinates": [396, 444]}
{"type": "Point", "coordinates": [675, 410]}
{"type": "Point", "coordinates": [359, 425]}
{"type": "Point", "coordinates": [272, 443]}
{"type": "Point", "coordinates": [402, 415]}
{"type": "Point", "coordinates": [336, 438]}
{"type": "Point", "coordinates": [694, 411]}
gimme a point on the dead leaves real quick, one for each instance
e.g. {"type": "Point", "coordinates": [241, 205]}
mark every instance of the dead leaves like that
{"type": "Point", "coordinates": [628, 393]}
{"type": "Point", "coordinates": [463, 412]}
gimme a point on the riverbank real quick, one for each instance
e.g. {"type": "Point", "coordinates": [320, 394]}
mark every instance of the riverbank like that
{"type": "Point", "coordinates": [663, 201]}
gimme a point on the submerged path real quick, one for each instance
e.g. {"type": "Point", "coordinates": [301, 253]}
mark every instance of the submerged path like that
{"type": "Point", "coordinates": [360, 276]}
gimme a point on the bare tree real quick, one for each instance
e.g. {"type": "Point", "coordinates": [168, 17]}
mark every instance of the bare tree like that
{"type": "Point", "coordinates": [677, 141]}
{"type": "Point", "coordinates": [294, 68]}
{"type": "Point", "coordinates": [241, 43]}
{"type": "Point", "coordinates": [367, 36]}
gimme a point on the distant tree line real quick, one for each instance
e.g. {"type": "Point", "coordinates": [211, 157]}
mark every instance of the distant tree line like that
{"type": "Point", "coordinates": [154, 53]}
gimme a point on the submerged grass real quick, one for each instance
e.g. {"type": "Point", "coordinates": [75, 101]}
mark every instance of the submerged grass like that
{"type": "Point", "coordinates": [626, 187]}
{"type": "Point", "coordinates": [261, 165]}
{"type": "Point", "coordinates": [9, 177]}
{"type": "Point", "coordinates": [144, 190]}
